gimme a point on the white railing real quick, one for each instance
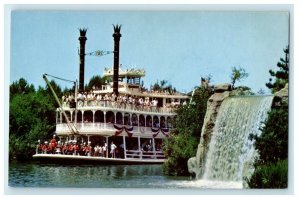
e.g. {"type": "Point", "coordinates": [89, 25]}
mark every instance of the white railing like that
{"type": "Point", "coordinates": [144, 154]}
{"type": "Point", "coordinates": [99, 127]}
{"type": "Point", "coordinates": [122, 106]}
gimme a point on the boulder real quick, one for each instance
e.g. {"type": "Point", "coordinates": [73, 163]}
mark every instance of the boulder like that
{"type": "Point", "coordinates": [281, 97]}
{"type": "Point", "coordinates": [222, 87]}
{"type": "Point", "coordinates": [196, 164]}
{"type": "Point", "coordinates": [283, 93]}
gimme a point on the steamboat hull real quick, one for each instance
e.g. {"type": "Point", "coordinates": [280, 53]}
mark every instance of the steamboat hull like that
{"type": "Point", "coordinates": [73, 159]}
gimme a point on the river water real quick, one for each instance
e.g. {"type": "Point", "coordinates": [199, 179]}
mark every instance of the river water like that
{"type": "Point", "coordinates": [38, 175]}
{"type": "Point", "coordinates": [35, 174]}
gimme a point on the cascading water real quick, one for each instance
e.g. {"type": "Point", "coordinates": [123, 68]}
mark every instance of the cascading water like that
{"type": "Point", "coordinates": [231, 154]}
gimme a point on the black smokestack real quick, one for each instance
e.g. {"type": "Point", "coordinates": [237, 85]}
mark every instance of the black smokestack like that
{"type": "Point", "coordinates": [82, 39]}
{"type": "Point", "coordinates": [116, 36]}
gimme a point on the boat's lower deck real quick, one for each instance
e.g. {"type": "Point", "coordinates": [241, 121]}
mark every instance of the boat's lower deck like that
{"type": "Point", "coordinates": [60, 158]}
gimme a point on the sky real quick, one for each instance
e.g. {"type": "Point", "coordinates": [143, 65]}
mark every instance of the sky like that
{"type": "Point", "coordinates": [177, 46]}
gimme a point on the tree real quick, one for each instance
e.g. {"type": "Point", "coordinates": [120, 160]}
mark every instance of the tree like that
{"type": "Point", "coordinates": [271, 168]}
{"type": "Point", "coordinates": [275, 134]}
{"type": "Point", "coordinates": [183, 141]}
{"type": "Point", "coordinates": [95, 81]}
{"type": "Point", "coordinates": [282, 75]}
{"type": "Point", "coordinates": [237, 74]}
{"type": "Point", "coordinates": [31, 117]}
{"type": "Point", "coordinates": [163, 86]}
{"type": "Point", "coordinates": [20, 87]}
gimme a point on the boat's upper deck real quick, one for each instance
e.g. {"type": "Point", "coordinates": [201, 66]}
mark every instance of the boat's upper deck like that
{"type": "Point", "coordinates": [132, 97]}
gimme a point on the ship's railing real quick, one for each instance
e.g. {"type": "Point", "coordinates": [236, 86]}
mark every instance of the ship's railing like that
{"type": "Point", "coordinates": [123, 106]}
{"type": "Point", "coordinates": [98, 126]}
{"type": "Point", "coordinates": [144, 154]}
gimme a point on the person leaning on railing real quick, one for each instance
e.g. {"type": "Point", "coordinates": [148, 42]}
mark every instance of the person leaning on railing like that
{"type": "Point", "coordinates": [124, 102]}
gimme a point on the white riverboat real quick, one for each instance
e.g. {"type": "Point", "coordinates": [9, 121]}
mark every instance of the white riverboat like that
{"type": "Point", "coordinates": [120, 123]}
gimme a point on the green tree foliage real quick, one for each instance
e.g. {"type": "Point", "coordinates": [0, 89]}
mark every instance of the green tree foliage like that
{"type": "Point", "coordinates": [237, 74]}
{"type": "Point", "coordinates": [273, 142]}
{"type": "Point", "coordinates": [282, 75]}
{"type": "Point", "coordinates": [31, 117]}
{"type": "Point", "coordinates": [183, 141]}
{"type": "Point", "coordinates": [271, 168]}
{"type": "Point", "coordinates": [270, 176]}
{"type": "Point", "coordinates": [95, 81]}
{"type": "Point", "coordinates": [163, 86]}
{"type": "Point", "coordinates": [272, 145]}
{"type": "Point", "coordinates": [20, 87]}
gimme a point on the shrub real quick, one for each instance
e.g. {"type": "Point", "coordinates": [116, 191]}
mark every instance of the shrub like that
{"type": "Point", "coordinates": [183, 141]}
{"type": "Point", "coordinates": [272, 176]}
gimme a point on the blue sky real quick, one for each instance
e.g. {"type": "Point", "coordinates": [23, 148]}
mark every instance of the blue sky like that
{"type": "Point", "coordinates": [180, 47]}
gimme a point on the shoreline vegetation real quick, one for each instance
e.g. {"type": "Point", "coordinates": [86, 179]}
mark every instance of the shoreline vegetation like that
{"type": "Point", "coordinates": [32, 116]}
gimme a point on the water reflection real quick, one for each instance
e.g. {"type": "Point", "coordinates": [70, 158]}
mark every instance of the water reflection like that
{"type": "Point", "coordinates": [88, 176]}
{"type": "Point", "coordinates": [104, 176]}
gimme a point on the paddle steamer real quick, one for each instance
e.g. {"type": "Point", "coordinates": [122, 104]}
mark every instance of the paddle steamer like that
{"type": "Point", "coordinates": [121, 122]}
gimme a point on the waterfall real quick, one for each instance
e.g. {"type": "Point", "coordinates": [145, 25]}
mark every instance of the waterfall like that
{"type": "Point", "coordinates": [231, 154]}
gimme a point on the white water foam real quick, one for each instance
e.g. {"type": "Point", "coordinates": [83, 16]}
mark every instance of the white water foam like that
{"type": "Point", "coordinates": [208, 184]}
{"type": "Point", "coordinates": [231, 153]}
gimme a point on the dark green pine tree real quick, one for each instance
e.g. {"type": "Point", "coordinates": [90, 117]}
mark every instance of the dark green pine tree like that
{"type": "Point", "coordinates": [282, 75]}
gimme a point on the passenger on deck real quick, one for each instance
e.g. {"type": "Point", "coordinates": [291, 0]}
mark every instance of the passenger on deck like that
{"type": "Point", "coordinates": [104, 149]}
{"type": "Point", "coordinates": [113, 150]}
{"type": "Point", "coordinates": [64, 148]}
{"type": "Point", "coordinates": [53, 144]}
{"type": "Point", "coordinates": [76, 149]}
{"type": "Point", "coordinates": [39, 147]}
{"type": "Point", "coordinates": [45, 147]}
{"type": "Point", "coordinates": [100, 151]}
{"type": "Point", "coordinates": [88, 149]}
{"type": "Point", "coordinates": [99, 98]}
{"type": "Point", "coordinates": [97, 150]}
{"type": "Point", "coordinates": [70, 149]}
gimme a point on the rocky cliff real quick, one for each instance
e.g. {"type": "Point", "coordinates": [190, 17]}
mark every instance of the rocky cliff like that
{"type": "Point", "coordinates": [195, 164]}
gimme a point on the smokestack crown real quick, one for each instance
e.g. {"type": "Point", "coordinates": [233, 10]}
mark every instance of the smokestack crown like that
{"type": "Point", "coordinates": [117, 29]}
{"type": "Point", "coordinates": [82, 32]}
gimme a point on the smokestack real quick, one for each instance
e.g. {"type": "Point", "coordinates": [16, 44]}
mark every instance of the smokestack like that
{"type": "Point", "coordinates": [116, 36]}
{"type": "Point", "coordinates": [82, 39]}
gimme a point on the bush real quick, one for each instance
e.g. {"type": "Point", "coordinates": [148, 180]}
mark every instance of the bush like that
{"type": "Point", "coordinates": [178, 149]}
{"type": "Point", "coordinates": [271, 169]}
{"type": "Point", "coordinates": [270, 176]}
{"type": "Point", "coordinates": [31, 117]}
{"type": "Point", "coordinates": [273, 142]}
{"type": "Point", "coordinates": [183, 141]}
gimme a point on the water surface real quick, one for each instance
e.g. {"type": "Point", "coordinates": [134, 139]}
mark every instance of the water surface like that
{"type": "Point", "coordinates": [35, 174]}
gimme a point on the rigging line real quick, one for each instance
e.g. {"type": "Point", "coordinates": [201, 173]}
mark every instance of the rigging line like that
{"type": "Point", "coordinates": [60, 78]}
{"type": "Point", "coordinates": [99, 53]}
{"type": "Point", "coordinates": [71, 126]}
{"type": "Point", "coordinates": [72, 131]}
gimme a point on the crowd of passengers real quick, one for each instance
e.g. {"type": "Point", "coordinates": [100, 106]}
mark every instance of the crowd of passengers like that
{"type": "Point", "coordinates": [125, 101]}
{"type": "Point", "coordinates": [72, 147]}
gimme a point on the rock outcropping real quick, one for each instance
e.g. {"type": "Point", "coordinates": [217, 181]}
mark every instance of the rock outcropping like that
{"type": "Point", "coordinates": [281, 97]}
{"type": "Point", "coordinates": [195, 164]}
